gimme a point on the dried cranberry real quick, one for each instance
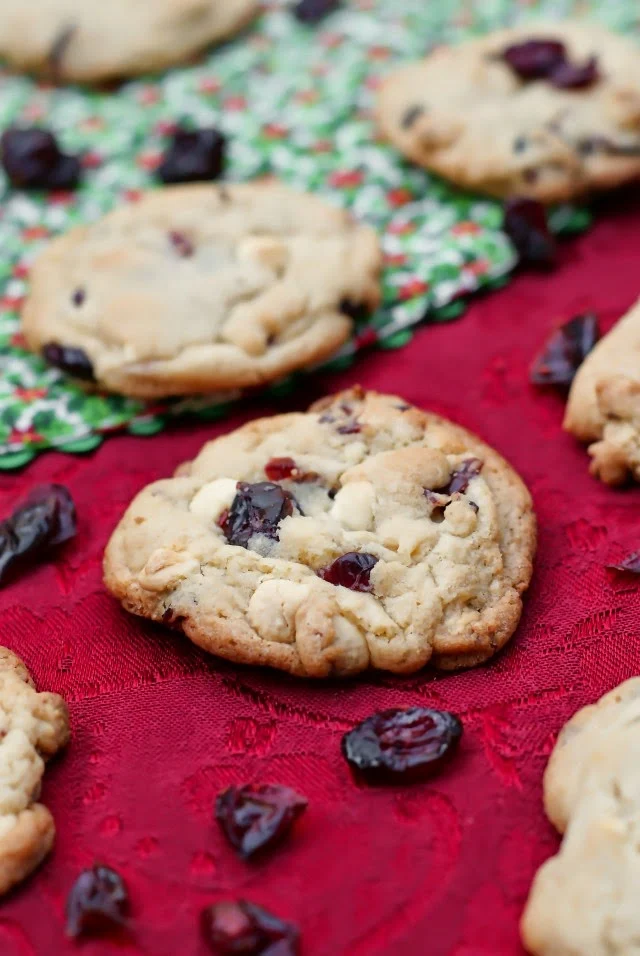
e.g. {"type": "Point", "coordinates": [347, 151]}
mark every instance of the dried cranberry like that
{"type": "Point", "coordinates": [98, 902]}
{"type": "Point", "coordinates": [351, 570]}
{"type": "Point", "coordinates": [283, 469]}
{"type": "Point", "coordinates": [257, 509]}
{"type": "Point", "coordinates": [73, 361]}
{"type": "Point", "coordinates": [194, 156]}
{"type": "Point", "coordinates": [402, 745]}
{"type": "Point", "coordinates": [349, 428]}
{"type": "Point", "coordinates": [470, 468]}
{"type": "Point", "coordinates": [525, 222]}
{"type": "Point", "coordinates": [243, 929]}
{"type": "Point", "coordinates": [570, 76]}
{"type": "Point", "coordinates": [630, 564]}
{"type": "Point", "coordinates": [358, 311]}
{"type": "Point", "coordinates": [45, 520]}
{"type": "Point", "coordinates": [411, 116]}
{"type": "Point", "coordinates": [535, 59]}
{"type": "Point", "coordinates": [565, 351]}
{"type": "Point", "coordinates": [256, 817]}
{"type": "Point", "coordinates": [312, 11]}
{"type": "Point", "coordinates": [182, 244]}
{"type": "Point", "coordinates": [32, 159]}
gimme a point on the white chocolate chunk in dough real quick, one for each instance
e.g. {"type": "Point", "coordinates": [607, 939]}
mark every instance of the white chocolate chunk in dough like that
{"type": "Point", "coordinates": [213, 498]}
{"type": "Point", "coordinates": [353, 506]}
{"type": "Point", "coordinates": [273, 607]}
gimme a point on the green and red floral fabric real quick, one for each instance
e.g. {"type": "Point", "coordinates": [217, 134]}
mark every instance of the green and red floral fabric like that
{"type": "Point", "coordinates": [295, 102]}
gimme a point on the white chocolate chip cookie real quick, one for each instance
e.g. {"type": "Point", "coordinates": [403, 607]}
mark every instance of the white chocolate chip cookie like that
{"type": "Point", "coordinates": [584, 900]}
{"type": "Point", "coordinates": [202, 288]}
{"type": "Point", "coordinates": [33, 727]}
{"type": "Point", "coordinates": [467, 113]}
{"type": "Point", "coordinates": [604, 402]}
{"type": "Point", "coordinates": [85, 41]}
{"type": "Point", "coordinates": [362, 534]}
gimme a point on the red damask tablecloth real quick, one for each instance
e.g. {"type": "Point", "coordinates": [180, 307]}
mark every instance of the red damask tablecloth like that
{"type": "Point", "coordinates": [159, 728]}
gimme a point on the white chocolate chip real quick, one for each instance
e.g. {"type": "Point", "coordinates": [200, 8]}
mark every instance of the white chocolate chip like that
{"type": "Point", "coordinates": [269, 251]}
{"type": "Point", "coordinates": [213, 498]}
{"type": "Point", "coordinates": [353, 506]}
{"type": "Point", "coordinates": [273, 607]}
{"type": "Point", "coordinates": [166, 568]}
{"type": "Point", "coordinates": [461, 518]}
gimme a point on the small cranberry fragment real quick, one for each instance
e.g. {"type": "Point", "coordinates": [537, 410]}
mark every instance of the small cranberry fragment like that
{"type": "Point", "coordinates": [570, 76]}
{"type": "Point", "coordinates": [630, 564]}
{"type": "Point", "coordinates": [243, 929]}
{"type": "Point", "coordinates": [351, 570]}
{"type": "Point", "coordinates": [535, 59]}
{"type": "Point", "coordinates": [411, 116]}
{"type": "Point", "coordinates": [32, 159]}
{"type": "Point", "coordinates": [194, 156]}
{"type": "Point", "coordinates": [256, 817]}
{"type": "Point", "coordinates": [525, 222]}
{"type": "Point", "coordinates": [398, 746]}
{"type": "Point", "coordinates": [463, 474]}
{"type": "Point", "coordinates": [349, 428]}
{"type": "Point", "coordinates": [73, 361]}
{"type": "Point", "coordinates": [78, 297]}
{"type": "Point", "coordinates": [45, 520]}
{"type": "Point", "coordinates": [283, 469]}
{"type": "Point", "coordinates": [565, 351]}
{"type": "Point", "coordinates": [98, 902]}
{"type": "Point", "coordinates": [257, 509]}
{"type": "Point", "coordinates": [312, 11]}
{"type": "Point", "coordinates": [182, 244]}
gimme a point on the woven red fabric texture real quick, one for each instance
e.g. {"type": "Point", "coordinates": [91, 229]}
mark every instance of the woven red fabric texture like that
{"type": "Point", "coordinates": [440, 869]}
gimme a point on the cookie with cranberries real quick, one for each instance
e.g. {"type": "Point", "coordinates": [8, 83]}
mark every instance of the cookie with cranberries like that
{"type": "Point", "coordinates": [221, 287]}
{"type": "Point", "coordinates": [364, 533]}
{"type": "Point", "coordinates": [547, 111]}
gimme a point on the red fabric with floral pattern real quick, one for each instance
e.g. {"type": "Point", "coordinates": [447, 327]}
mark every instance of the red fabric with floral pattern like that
{"type": "Point", "coordinates": [159, 728]}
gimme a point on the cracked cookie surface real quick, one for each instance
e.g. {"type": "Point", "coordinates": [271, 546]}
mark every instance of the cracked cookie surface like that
{"type": "Point", "coordinates": [362, 534]}
{"type": "Point", "coordinates": [200, 288]}
{"type": "Point", "coordinates": [604, 402]}
{"type": "Point", "coordinates": [583, 901]}
{"type": "Point", "coordinates": [80, 41]}
{"type": "Point", "coordinates": [466, 114]}
{"type": "Point", "coordinates": [33, 727]}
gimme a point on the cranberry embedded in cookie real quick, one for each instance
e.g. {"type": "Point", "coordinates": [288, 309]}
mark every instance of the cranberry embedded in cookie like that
{"type": "Point", "coordinates": [410, 542]}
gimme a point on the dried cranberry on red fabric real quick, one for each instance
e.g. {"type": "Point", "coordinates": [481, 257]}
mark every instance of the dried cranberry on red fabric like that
{"type": "Point", "coordinates": [256, 817]}
{"type": "Point", "coordinates": [565, 350]}
{"type": "Point", "coordinates": [32, 159]}
{"type": "Point", "coordinates": [351, 570]}
{"type": "Point", "coordinates": [45, 520]}
{"type": "Point", "coordinates": [98, 902]}
{"type": "Point", "coordinates": [525, 223]}
{"type": "Point", "coordinates": [256, 509]}
{"type": "Point", "coordinates": [402, 746]}
{"type": "Point", "coordinates": [244, 929]}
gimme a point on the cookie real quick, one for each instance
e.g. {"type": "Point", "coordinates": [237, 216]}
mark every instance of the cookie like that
{"type": "Point", "coordinates": [199, 288]}
{"type": "Point", "coordinates": [548, 121]}
{"type": "Point", "coordinates": [604, 402]}
{"type": "Point", "coordinates": [583, 901]}
{"type": "Point", "coordinates": [33, 727]}
{"type": "Point", "coordinates": [76, 41]}
{"type": "Point", "coordinates": [364, 533]}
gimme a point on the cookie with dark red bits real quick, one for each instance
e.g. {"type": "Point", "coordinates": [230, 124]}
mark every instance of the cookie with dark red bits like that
{"type": "Point", "coordinates": [362, 534]}
{"type": "Point", "coordinates": [79, 41]}
{"type": "Point", "coordinates": [548, 111]}
{"type": "Point", "coordinates": [202, 288]}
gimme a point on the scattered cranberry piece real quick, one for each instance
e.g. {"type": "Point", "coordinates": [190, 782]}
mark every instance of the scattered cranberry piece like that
{"type": "Point", "coordinates": [71, 360]}
{"type": "Point", "coordinates": [182, 244]}
{"type": "Point", "coordinates": [78, 297]}
{"type": "Point", "coordinates": [463, 474]}
{"type": "Point", "coordinates": [525, 222]}
{"type": "Point", "coordinates": [565, 351]}
{"type": "Point", "coordinates": [243, 929]}
{"type": "Point", "coordinates": [281, 469]}
{"type": "Point", "coordinates": [193, 156]}
{"type": "Point", "coordinates": [350, 428]}
{"type": "Point", "coordinates": [45, 520]}
{"type": "Point", "coordinates": [570, 76]}
{"type": "Point", "coordinates": [630, 564]}
{"type": "Point", "coordinates": [535, 59]}
{"type": "Point", "coordinates": [32, 159]}
{"type": "Point", "coordinates": [312, 11]}
{"type": "Point", "coordinates": [402, 745]}
{"type": "Point", "coordinates": [351, 570]}
{"type": "Point", "coordinates": [256, 509]}
{"type": "Point", "coordinates": [256, 817]}
{"type": "Point", "coordinates": [98, 901]}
